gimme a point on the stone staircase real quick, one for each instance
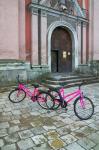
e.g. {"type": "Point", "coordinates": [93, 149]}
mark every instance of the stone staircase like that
{"type": "Point", "coordinates": [69, 80]}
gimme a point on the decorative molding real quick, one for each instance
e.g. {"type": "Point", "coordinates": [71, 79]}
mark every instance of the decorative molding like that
{"type": "Point", "coordinates": [43, 13]}
{"type": "Point", "coordinates": [78, 9]}
{"type": "Point", "coordinates": [51, 10]}
{"type": "Point", "coordinates": [73, 34]}
{"type": "Point", "coordinates": [35, 1]}
{"type": "Point", "coordinates": [45, 3]}
{"type": "Point", "coordinates": [34, 11]}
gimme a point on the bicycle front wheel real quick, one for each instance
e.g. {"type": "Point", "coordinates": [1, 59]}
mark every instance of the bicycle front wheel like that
{"type": "Point", "coordinates": [17, 95]}
{"type": "Point", "coordinates": [85, 110]}
{"type": "Point", "coordinates": [45, 100]}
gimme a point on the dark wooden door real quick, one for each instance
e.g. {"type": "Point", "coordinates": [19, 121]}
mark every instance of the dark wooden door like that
{"type": "Point", "coordinates": [62, 43]}
{"type": "Point", "coordinates": [54, 57]}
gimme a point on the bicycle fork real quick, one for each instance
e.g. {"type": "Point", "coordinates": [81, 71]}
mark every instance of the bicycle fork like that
{"type": "Point", "coordinates": [82, 100]}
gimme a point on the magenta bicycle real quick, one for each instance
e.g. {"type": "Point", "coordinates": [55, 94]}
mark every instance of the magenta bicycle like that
{"type": "Point", "coordinates": [83, 106]}
{"type": "Point", "coordinates": [43, 98]}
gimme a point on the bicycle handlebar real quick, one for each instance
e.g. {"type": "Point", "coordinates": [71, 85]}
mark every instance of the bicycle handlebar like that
{"type": "Point", "coordinates": [82, 83]}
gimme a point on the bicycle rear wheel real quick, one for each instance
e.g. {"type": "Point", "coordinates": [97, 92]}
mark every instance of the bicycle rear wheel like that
{"type": "Point", "coordinates": [45, 100]}
{"type": "Point", "coordinates": [57, 98]}
{"type": "Point", "coordinates": [84, 111]}
{"type": "Point", "coordinates": [17, 95]}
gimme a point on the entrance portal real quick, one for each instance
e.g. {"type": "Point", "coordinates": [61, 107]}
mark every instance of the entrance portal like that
{"type": "Point", "coordinates": [61, 50]}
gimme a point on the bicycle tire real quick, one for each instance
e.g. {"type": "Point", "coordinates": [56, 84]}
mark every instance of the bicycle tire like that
{"type": "Point", "coordinates": [45, 100]}
{"type": "Point", "coordinates": [56, 98]}
{"type": "Point", "coordinates": [85, 112]}
{"type": "Point", "coordinates": [15, 92]}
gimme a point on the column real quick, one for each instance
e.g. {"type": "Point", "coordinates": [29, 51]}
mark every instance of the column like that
{"type": "Point", "coordinates": [83, 4]}
{"type": "Point", "coordinates": [84, 44]}
{"type": "Point", "coordinates": [91, 30]}
{"type": "Point", "coordinates": [43, 38]}
{"type": "Point", "coordinates": [34, 35]}
{"type": "Point", "coordinates": [79, 42]}
{"type": "Point", "coordinates": [21, 8]}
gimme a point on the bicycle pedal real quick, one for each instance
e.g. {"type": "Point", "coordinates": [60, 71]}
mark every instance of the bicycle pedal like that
{"type": "Point", "coordinates": [64, 105]}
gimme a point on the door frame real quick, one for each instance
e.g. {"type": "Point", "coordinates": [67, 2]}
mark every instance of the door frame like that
{"type": "Point", "coordinates": [63, 46]}
{"type": "Point", "coordinates": [73, 34]}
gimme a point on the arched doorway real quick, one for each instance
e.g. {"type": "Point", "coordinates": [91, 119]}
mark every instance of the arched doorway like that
{"type": "Point", "coordinates": [61, 50]}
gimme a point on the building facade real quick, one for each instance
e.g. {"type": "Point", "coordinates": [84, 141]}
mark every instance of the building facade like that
{"type": "Point", "coordinates": [47, 35]}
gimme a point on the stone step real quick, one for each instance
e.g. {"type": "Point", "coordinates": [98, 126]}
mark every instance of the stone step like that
{"type": "Point", "coordinates": [67, 77]}
{"type": "Point", "coordinates": [72, 84]}
{"type": "Point", "coordinates": [70, 80]}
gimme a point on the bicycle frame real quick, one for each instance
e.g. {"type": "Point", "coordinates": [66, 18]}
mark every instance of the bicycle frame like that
{"type": "Point", "coordinates": [27, 91]}
{"type": "Point", "coordinates": [71, 96]}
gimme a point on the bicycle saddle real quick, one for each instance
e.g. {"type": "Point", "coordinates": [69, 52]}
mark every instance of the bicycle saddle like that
{"type": "Point", "coordinates": [36, 85]}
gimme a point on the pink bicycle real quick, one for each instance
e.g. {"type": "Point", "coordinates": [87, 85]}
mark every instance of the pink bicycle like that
{"type": "Point", "coordinates": [83, 106]}
{"type": "Point", "coordinates": [43, 98]}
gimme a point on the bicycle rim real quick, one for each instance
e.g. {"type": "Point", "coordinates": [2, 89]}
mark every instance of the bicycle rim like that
{"type": "Point", "coordinates": [45, 100]}
{"type": "Point", "coordinates": [56, 98]}
{"type": "Point", "coordinates": [17, 95]}
{"type": "Point", "coordinates": [84, 111]}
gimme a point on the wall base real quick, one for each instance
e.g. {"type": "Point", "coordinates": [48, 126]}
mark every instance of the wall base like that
{"type": "Point", "coordinates": [91, 68]}
{"type": "Point", "coordinates": [9, 70]}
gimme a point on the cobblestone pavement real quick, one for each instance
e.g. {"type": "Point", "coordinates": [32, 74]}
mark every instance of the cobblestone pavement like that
{"type": "Point", "coordinates": [26, 126]}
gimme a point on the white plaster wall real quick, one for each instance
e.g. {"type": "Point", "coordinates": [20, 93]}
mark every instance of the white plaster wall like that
{"type": "Point", "coordinates": [9, 29]}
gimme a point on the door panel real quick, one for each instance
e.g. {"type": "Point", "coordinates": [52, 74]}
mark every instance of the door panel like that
{"type": "Point", "coordinates": [61, 42]}
{"type": "Point", "coordinates": [54, 59]}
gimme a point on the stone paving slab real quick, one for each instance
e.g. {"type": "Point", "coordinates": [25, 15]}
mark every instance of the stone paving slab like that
{"type": "Point", "coordinates": [25, 144]}
{"type": "Point", "coordinates": [86, 143]}
{"type": "Point", "coordinates": [26, 126]}
{"type": "Point", "coordinates": [74, 146]}
{"type": "Point", "coordinates": [9, 147]}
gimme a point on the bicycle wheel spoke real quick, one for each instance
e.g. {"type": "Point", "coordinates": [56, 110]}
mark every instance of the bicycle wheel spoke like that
{"type": "Point", "coordinates": [85, 109]}
{"type": "Point", "coordinates": [42, 101]}
{"type": "Point", "coordinates": [17, 95]}
{"type": "Point", "coordinates": [56, 99]}
{"type": "Point", "coordinates": [45, 100]}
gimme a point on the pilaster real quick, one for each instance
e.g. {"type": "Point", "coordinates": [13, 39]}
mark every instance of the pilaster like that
{"type": "Point", "coordinates": [34, 35]}
{"type": "Point", "coordinates": [43, 38]}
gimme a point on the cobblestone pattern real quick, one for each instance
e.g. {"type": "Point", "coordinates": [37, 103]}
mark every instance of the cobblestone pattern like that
{"type": "Point", "coordinates": [26, 126]}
